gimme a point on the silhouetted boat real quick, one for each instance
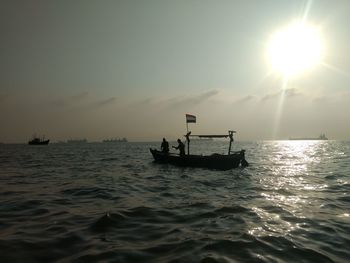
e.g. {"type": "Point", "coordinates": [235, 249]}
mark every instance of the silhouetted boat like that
{"type": "Point", "coordinates": [321, 137]}
{"type": "Point", "coordinates": [38, 141]}
{"type": "Point", "coordinates": [115, 140]}
{"type": "Point", "coordinates": [213, 161]}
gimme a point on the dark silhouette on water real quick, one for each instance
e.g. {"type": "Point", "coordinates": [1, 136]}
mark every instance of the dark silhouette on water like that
{"type": "Point", "coordinates": [321, 137]}
{"type": "Point", "coordinates": [38, 141]}
{"type": "Point", "coordinates": [180, 147]}
{"type": "Point", "coordinates": [214, 161]}
{"type": "Point", "coordinates": [115, 140]}
{"type": "Point", "coordinates": [164, 146]}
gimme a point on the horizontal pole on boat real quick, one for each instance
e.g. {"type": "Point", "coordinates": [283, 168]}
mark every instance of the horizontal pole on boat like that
{"type": "Point", "coordinates": [210, 136]}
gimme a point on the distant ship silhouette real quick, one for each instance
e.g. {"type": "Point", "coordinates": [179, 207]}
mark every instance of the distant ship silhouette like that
{"type": "Point", "coordinates": [115, 140]}
{"type": "Point", "coordinates": [38, 141]}
{"type": "Point", "coordinates": [321, 137]}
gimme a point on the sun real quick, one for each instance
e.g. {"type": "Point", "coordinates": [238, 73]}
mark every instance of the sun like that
{"type": "Point", "coordinates": [295, 48]}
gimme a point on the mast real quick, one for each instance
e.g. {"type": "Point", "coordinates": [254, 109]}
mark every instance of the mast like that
{"type": "Point", "coordinates": [230, 134]}
{"type": "Point", "coordinates": [188, 139]}
{"type": "Point", "coordinates": [188, 142]}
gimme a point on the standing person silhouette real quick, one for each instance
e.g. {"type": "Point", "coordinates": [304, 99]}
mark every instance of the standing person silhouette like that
{"type": "Point", "coordinates": [165, 146]}
{"type": "Point", "coordinates": [181, 147]}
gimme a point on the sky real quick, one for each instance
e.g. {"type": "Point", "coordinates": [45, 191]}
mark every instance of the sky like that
{"type": "Point", "coordinates": [105, 69]}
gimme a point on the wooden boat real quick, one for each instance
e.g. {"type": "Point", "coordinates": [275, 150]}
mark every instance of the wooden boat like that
{"type": "Point", "coordinates": [213, 161]}
{"type": "Point", "coordinates": [38, 141]}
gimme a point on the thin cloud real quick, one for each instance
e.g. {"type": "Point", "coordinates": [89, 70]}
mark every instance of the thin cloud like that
{"type": "Point", "coordinates": [105, 102]}
{"type": "Point", "coordinates": [80, 96]}
{"type": "Point", "coordinates": [58, 103]}
{"type": "Point", "coordinates": [288, 93]}
{"type": "Point", "coordinates": [96, 104]}
{"type": "Point", "coordinates": [293, 92]}
{"type": "Point", "coordinates": [269, 96]}
{"type": "Point", "coordinates": [178, 101]}
{"type": "Point", "coordinates": [193, 100]}
{"type": "Point", "coordinates": [244, 99]}
{"type": "Point", "coordinates": [81, 101]}
{"type": "Point", "coordinates": [69, 101]}
{"type": "Point", "coordinates": [147, 101]}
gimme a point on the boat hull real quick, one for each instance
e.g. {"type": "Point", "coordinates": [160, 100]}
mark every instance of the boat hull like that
{"type": "Point", "coordinates": [214, 161]}
{"type": "Point", "coordinates": [46, 142]}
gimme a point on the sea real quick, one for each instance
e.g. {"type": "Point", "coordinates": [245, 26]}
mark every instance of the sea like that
{"type": "Point", "coordinates": [109, 202]}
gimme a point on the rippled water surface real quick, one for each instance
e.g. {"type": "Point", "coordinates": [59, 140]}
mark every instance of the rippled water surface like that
{"type": "Point", "coordinates": [109, 202]}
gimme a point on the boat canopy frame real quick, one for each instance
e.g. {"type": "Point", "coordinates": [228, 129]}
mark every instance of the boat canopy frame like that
{"type": "Point", "coordinates": [230, 135]}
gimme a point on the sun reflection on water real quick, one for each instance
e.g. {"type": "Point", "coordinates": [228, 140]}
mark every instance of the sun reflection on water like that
{"type": "Point", "coordinates": [289, 186]}
{"type": "Point", "coordinates": [290, 162]}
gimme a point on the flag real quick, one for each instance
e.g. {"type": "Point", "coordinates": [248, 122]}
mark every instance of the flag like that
{"type": "Point", "coordinates": [190, 118]}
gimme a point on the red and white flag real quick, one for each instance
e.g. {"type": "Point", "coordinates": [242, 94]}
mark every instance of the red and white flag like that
{"type": "Point", "coordinates": [190, 118]}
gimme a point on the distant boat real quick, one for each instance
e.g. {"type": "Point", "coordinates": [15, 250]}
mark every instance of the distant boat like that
{"type": "Point", "coordinates": [77, 141]}
{"type": "Point", "coordinates": [115, 140]}
{"type": "Point", "coordinates": [38, 141]}
{"type": "Point", "coordinates": [321, 137]}
{"type": "Point", "coordinates": [213, 161]}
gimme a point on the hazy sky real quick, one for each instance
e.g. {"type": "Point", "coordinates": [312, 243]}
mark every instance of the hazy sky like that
{"type": "Point", "coordinates": [101, 69]}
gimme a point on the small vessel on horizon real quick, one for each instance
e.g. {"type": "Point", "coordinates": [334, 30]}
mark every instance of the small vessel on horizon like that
{"type": "Point", "coordinates": [321, 137]}
{"type": "Point", "coordinates": [115, 140]}
{"type": "Point", "coordinates": [38, 141]}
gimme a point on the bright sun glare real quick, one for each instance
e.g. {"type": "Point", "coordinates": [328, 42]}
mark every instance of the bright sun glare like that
{"type": "Point", "coordinates": [295, 49]}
